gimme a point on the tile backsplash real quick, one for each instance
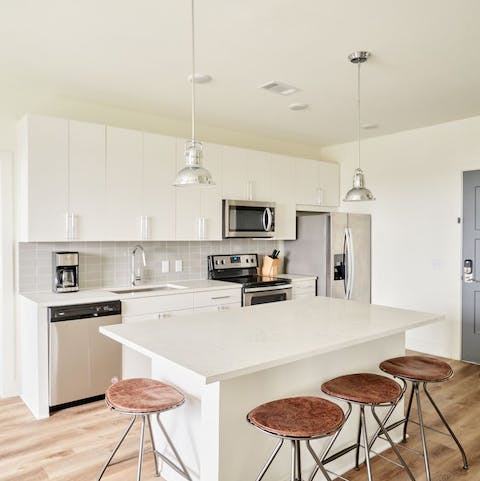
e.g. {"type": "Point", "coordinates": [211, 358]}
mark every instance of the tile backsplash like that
{"type": "Point", "coordinates": [107, 264]}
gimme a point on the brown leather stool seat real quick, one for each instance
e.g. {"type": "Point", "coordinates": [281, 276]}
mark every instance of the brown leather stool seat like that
{"type": "Point", "coordinates": [418, 368]}
{"type": "Point", "coordinates": [298, 417]}
{"type": "Point", "coordinates": [139, 395]}
{"type": "Point", "coordinates": [364, 388]}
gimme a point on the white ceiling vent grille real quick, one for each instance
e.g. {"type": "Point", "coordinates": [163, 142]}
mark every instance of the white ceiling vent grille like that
{"type": "Point", "coordinates": [280, 88]}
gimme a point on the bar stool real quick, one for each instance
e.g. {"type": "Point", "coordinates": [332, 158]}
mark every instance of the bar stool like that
{"type": "Point", "coordinates": [422, 370]}
{"type": "Point", "coordinates": [298, 419]}
{"type": "Point", "coordinates": [143, 398]}
{"type": "Point", "coordinates": [366, 390]}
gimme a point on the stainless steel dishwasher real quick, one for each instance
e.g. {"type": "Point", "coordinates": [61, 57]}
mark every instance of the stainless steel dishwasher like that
{"type": "Point", "coordinates": [82, 362]}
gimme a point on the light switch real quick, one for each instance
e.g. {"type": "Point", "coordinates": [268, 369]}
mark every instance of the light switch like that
{"type": "Point", "coordinates": [178, 265]}
{"type": "Point", "coordinates": [165, 266]}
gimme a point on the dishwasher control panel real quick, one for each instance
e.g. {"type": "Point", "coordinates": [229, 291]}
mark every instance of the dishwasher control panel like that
{"type": "Point", "coordinates": [83, 311]}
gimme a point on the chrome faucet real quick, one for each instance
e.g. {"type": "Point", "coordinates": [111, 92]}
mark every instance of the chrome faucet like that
{"type": "Point", "coordinates": [136, 274]}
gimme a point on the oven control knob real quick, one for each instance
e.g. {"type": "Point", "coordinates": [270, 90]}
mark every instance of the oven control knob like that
{"type": "Point", "coordinates": [223, 261]}
{"type": "Point", "coordinates": [216, 262]}
{"type": "Point", "coordinates": [246, 260]}
{"type": "Point", "coordinates": [251, 260]}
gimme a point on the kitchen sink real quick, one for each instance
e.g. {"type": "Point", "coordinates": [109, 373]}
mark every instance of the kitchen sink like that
{"type": "Point", "coordinates": [134, 290]}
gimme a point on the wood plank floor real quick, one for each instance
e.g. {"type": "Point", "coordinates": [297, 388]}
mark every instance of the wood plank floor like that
{"type": "Point", "coordinates": [72, 444]}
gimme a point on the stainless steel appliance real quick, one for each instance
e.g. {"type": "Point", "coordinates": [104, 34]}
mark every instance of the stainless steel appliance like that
{"type": "Point", "coordinates": [243, 218]}
{"type": "Point", "coordinates": [242, 268]}
{"type": "Point", "coordinates": [336, 247]}
{"type": "Point", "coordinates": [82, 362]}
{"type": "Point", "coordinates": [65, 271]}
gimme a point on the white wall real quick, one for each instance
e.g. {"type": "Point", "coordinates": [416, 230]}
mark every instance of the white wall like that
{"type": "Point", "coordinates": [416, 177]}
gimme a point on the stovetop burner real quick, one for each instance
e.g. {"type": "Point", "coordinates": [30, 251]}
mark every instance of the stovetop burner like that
{"type": "Point", "coordinates": [241, 269]}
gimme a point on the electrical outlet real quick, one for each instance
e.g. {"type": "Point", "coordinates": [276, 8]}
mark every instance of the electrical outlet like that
{"type": "Point", "coordinates": [178, 265]}
{"type": "Point", "coordinates": [165, 266]}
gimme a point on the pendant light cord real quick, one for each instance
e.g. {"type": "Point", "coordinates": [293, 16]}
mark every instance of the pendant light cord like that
{"type": "Point", "coordinates": [358, 110]}
{"type": "Point", "coordinates": [193, 72]}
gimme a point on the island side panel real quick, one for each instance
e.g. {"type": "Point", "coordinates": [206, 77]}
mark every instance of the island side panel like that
{"type": "Point", "coordinates": [193, 427]}
{"type": "Point", "coordinates": [244, 449]}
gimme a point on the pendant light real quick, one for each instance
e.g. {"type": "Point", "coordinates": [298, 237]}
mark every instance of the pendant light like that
{"type": "Point", "coordinates": [358, 192]}
{"type": "Point", "coordinates": [193, 174]}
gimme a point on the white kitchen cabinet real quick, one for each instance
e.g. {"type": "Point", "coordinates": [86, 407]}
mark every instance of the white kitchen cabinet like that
{"type": "Point", "coordinates": [246, 174]}
{"type": "Point", "coordinates": [86, 180]}
{"type": "Point", "coordinates": [283, 171]}
{"type": "Point", "coordinates": [199, 209]}
{"type": "Point", "coordinates": [316, 183]}
{"type": "Point", "coordinates": [214, 299]}
{"type": "Point", "coordinates": [158, 193]}
{"type": "Point", "coordinates": [303, 288]}
{"type": "Point", "coordinates": [43, 178]}
{"type": "Point", "coordinates": [124, 182]}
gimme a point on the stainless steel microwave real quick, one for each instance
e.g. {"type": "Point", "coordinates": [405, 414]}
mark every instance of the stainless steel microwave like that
{"type": "Point", "coordinates": [245, 218]}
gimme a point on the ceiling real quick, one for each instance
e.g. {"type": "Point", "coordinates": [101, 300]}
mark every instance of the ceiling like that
{"type": "Point", "coordinates": [136, 55]}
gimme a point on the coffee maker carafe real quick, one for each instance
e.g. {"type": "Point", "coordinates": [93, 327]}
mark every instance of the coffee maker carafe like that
{"type": "Point", "coordinates": [65, 271]}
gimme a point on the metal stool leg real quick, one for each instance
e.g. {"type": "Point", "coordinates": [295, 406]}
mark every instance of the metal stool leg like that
{"type": "Point", "coordinates": [422, 431]}
{"type": "Point", "coordinates": [140, 450]}
{"type": "Point", "coordinates": [442, 417]}
{"type": "Point", "coordinates": [152, 440]}
{"type": "Point", "coordinates": [299, 461]}
{"type": "Point", "coordinates": [407, 417]}
{"type": "Point", "coordinates": [319, 463]}
{"type": "Point", "coordinates": [124, 435]}
{"type": "Point", "coordinates": [359, 438]}
{"type": "Point", "coordinates": [293, 476]}
{"type": "Point", "coordinates": [366, 442]}
{"type": "Point", "coordinates": [393, 445]}
{"type": "Point", "coordinates": [270, 460]}
{"type": "Point", "coordinates": [182, 470]}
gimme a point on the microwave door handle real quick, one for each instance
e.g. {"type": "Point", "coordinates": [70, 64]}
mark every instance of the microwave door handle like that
{"type": "Point", "coordinates": [268, 226]}
{"type": "Point", "coordinates": [264, 220]}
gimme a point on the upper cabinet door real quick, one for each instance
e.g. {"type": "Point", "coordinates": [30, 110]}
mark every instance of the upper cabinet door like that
{"type": "Point", "coordinates": [87, 180]}
{"type": "Point", "coordinates": [259, 176]}
{"type": "Point", "coordinates": [234, 173]}
{"type": "Point", "coordinates": [43, 163]}
{"type": "Point", "coordinates": [329, 182]}
{"type": "Point", "coordinates": [283, 195]}
{"type": "Point", "coordinates": [124, 184]}
{"type": "Point", "coordinates": [210, 224]}
{"type": "Point", "coordinates": [306, 182]}
{"type": "Point", "coordinates": [159, 170]}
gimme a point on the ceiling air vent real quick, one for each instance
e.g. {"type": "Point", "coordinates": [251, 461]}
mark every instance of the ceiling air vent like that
{"type": "Point", "coordinates": [280, 88]}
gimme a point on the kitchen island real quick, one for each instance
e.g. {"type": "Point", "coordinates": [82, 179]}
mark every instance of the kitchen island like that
{"type": "Point", "coordinates": [226, 363]}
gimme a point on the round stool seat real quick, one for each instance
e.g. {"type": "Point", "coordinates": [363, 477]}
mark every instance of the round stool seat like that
{"type": "Point", "coordinates": [364, 388]}
{"type": "Point", "coordinates": [418, 368]}
{"type": "Point", "coordinates": [298, 417]}
{"type": "Point", "coordinates": [139, 395]}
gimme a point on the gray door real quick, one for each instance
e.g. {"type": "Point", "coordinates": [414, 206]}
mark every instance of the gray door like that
{"type": "Point", "coordinates": [471, 267]}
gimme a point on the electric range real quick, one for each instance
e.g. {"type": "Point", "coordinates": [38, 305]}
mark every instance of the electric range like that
{"type": "Point", "coordinates": [243, 269]}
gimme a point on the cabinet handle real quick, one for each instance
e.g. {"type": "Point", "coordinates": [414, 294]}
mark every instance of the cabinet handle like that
{"type": "Point", "coordinates": [249, 190]}
{"type": "Point", "coordinates": [144, 234]}
{"type": "Point", "coordinates": [201, 228]}
{"type": "Point", "coordinates": [320, 196]}
{"type": "Point", "coordinates": [222, 308]}
{"type": "Point", "coordinates": [220, 297]}
{"type": "Point", "coordinates": [163, 315]}
{"type": "Point", "coordinates": [70, 226]}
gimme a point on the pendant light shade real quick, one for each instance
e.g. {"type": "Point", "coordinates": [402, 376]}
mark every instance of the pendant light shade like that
{"type": "Point", "coordinates": [359, 192]}
{"type": "Point", "coordinates": [193, 174]}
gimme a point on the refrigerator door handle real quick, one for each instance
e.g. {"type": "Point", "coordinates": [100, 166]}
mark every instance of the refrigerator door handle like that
{"type": "Point", "coordinates": [345, 262]}
{"type": "Point", "coordinates": [351, 263]}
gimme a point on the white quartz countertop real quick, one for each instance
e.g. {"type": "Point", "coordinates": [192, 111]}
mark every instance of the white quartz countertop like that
{"type": "Point", "coordinates": [222, 345]}
{"type": "Point", "coordinates": [85, 296]}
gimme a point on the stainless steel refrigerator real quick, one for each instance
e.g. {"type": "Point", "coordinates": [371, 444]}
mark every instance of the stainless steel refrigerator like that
{"type": "Point", "coordinates": [336, 247]}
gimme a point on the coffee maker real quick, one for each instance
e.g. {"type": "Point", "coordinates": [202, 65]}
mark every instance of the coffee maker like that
{"type": "Point", "coordinates": [65, 271]}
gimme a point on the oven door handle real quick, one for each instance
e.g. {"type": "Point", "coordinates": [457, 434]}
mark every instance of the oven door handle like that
{"type": "Point", "coordinates": [268, 288]}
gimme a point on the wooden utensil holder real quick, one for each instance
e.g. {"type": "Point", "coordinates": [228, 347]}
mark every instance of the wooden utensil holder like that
{"type": "Point", "coordinates": [270, 266]}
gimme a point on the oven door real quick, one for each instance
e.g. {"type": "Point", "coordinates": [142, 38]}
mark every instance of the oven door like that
{"type": "Point", "coordinates": [263, 295]}
{"type": "Point", "coordinates": [243, 218]}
